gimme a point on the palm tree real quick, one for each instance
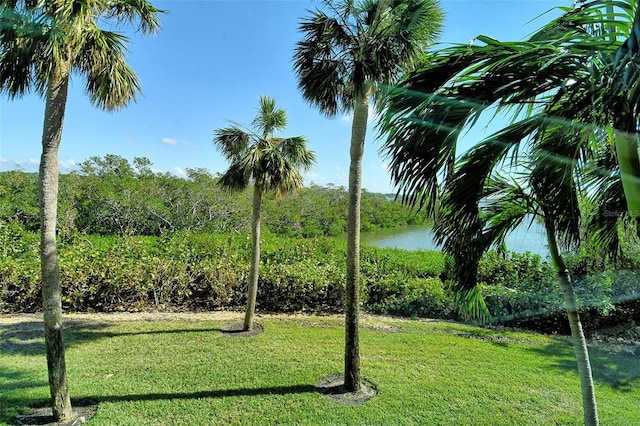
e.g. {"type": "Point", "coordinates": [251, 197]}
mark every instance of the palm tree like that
{"type": "Point", "coordinates": [42, 43]}
{"type": "Point", "coordinates": [268, 162]}
{"type": "Point", "coordinates": [344, 57]}
{"type": "Point", "coordinates": [570, 89]}
{"type": "Point", "coordinates": [544, 184]}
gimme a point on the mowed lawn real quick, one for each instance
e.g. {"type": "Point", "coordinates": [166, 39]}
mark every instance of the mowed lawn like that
{"type": "Point", "coordinates": [186, 371]}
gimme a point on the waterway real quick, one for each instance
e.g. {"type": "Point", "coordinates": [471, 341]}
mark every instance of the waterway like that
{"type": "Point", "coordinates": [527, 237]}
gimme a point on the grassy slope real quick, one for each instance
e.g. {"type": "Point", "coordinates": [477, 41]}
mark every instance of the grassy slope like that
{"type": "Point", "coordinates": [189, 373]}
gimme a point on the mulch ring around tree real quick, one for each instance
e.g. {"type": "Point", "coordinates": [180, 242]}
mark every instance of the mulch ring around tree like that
{"type": "Point", "coordinates": [332, 387]}
{"type": "Point", "coordinates": [236, 330]}
{"type": "Point", "coordinates": [83, 410]}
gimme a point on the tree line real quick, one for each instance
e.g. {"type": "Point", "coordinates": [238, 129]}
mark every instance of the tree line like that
{"type": "Point", "coordinates": [111, 196]}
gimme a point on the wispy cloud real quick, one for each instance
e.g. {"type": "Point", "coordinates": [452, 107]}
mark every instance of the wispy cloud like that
{"type": "Point", "coordinates": [28, 163]}
{"type": "Point", "coordinates": [174, 141]}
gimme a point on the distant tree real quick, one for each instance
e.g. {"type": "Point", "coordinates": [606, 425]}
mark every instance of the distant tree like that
{"type": "Point", "coordinates": [41, 44]}
{"type": "Point", "coordinates": [268, 162]}
{"type": "Point", "coordinates": [341, 62]}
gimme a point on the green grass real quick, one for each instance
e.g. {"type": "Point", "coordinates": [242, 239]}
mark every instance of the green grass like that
{"type": "Point", "coordinates": [189, 373]}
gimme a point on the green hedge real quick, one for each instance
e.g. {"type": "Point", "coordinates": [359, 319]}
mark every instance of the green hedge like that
{"type": "Point", "coordinates": [209, 271]}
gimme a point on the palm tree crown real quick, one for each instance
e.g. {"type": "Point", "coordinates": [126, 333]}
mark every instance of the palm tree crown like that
{"type": "Point", "coordinates": [360, 45]}
{"type": "Point", "coordinates": [38, 36]}
{"type": "Point", "coordinates": [257, 156]}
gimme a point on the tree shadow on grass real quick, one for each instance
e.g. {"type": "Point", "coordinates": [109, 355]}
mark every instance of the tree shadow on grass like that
{"type": "Point", "coordinates": [41, 413]}
{"type": "Point", "coordinates": [612, 365]}
{"type": "Point", "coordinates": [222, 393]}
{"type": "Point", "coordinates": [27, 338]}
{"type": "Point", "coordinates": [12, 380]}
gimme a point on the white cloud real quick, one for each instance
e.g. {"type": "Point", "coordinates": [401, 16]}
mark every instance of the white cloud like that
{"type": "Point", "coordinates": [174, 141]}
{"type": "Point", "coordinates": [179, 171]}
{"type": "Point", "coordinates": [170, 141]}
{"type": "Point", "coordinates": [68, 164]}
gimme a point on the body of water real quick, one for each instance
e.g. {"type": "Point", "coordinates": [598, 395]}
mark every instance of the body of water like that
{"type": "Point", "coordinates": [524, 238]}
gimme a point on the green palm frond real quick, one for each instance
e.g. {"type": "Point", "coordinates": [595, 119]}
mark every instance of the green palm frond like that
{"type": "Point", "coordinates": [361, 45]}
{"type": "Point", "coordinates": [138, 13]}
{"type": "Point", "coordinates": [269, 118]}
{"type": "Point", "coordinates": [22, 36]}
{"type": "Point", "coordinates": [232, 142]}
{"type": "Point", "coordinates": [610, 216]}
{"type": "Point", "coordinates": [295, 149]}
{"type": "Point", "coordinates": [37, 37]}
{"type": "Point", "coordinates": [257, 156]}
{"type": "Point", "coordinates": [111, 83]}
{"type": "Point", "coordinates": [235, 178]}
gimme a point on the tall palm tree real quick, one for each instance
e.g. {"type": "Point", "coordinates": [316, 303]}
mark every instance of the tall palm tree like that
{"type": "Point", "coordinates": [268, 162]}
{"type": "Point", "coordinates": [570, 89]}
{"type": "Point", "coordinates": [347, 52]}
{"type": "Point", "coordinates": [42, 44]}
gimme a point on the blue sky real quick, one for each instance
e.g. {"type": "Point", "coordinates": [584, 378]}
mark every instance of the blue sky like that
{"type": "Point", "coordinates": [208, 65]}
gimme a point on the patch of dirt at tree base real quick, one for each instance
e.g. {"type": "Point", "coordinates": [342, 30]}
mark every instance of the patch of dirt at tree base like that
{"type": "Point", "coordinates": [236, 330]}
{"type": "Point", "coordinates": [331, 387]}
{"type": "Point", "coordinates": [83, 411]}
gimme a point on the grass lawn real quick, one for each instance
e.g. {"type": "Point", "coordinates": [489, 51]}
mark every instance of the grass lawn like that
{"type": "Point", "coordinates": [187, 372]}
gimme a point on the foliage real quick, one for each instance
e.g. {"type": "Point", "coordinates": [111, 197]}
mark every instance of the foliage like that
{"type": "Point", "coordinates": [199, 271]}
{"type": "Point", "coordinates": [109, 196]}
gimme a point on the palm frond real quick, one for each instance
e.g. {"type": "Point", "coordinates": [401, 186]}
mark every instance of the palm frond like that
{"type": "Point", "coordinates": [232, 142]}
{"type": "Point", "coordinates": [111, 84]}
{"type": "Point", "coordinates": [271, 163]}
{"type": "Point", "coordinates": [295, 150]}
{"type": "Point", "coordinates": [604, 225]}
{"type": "Point", "coordinates": [140, 14]}
{"type": "Point", "coordinates": [22, 35]}
{"type": "Point", "coordinates": [235, 178]}
{"type": "Point", "coordinates": [269, 118]}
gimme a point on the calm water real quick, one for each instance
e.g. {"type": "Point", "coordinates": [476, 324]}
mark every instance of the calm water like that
{"type": "Point", "coordinates": [523, 239]}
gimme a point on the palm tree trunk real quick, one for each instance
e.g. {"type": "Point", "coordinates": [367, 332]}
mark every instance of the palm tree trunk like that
{"type": "Point", "coordinates": [579, 342]}
{"type": "Point", "coordinates": [252, 291]}
{"type": "Point", "coordinates": [56, 99]}
{"type": "Point", "coordinates": [352, 379]}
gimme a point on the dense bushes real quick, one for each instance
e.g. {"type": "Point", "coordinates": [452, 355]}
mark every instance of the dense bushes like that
{"type": "Point", "coordinates": [522, 290]}
{"type": "Point", "coordinates": [209, 271]}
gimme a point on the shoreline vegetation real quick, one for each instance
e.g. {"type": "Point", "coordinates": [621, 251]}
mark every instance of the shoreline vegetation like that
{"type": "Point", "coordinates": [131, 240]}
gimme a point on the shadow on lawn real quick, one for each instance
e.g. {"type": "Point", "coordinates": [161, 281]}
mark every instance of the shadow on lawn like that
{"type": "Point", "coordinates": [16, 379]}
{"type": "Point", "coordinates": [275, 390]}
{"type": "Point", "coordinates": [27, 338]}
{"type": "Point", "coordinates": [612, 365]}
